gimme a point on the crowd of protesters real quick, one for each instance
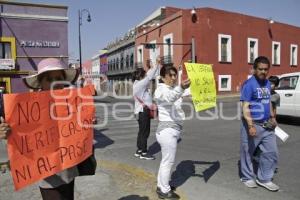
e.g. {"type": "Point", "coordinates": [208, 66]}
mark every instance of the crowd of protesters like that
{"type": "Point", "coordinates": [256, 133]}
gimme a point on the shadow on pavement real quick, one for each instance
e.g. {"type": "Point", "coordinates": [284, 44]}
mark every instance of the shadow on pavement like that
{"type": "Point", "coordinates": [295, 121]}
{"type": "Point", "coordinates": [187, 169]}
{"type": "Point", "coordinates": [102, 140]}
{"type": "Point", "coordinates": [155, 148]}
{"type": "Point", "coordinates": [134, 197]}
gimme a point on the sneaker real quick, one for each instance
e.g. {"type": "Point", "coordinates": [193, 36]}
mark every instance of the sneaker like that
{"type": "Point", "coordinates": [269, 185]}
{"type": "Point", "coordinates": [158, 189]}
{"type": "Point", "coordinates": [169, 195]}
{"type": "Point", "coordinates": [138, 153]}
{"type": "Point", "coordinates": [250, 183]}
{"type": "Point", "coordinates": [146, 156]}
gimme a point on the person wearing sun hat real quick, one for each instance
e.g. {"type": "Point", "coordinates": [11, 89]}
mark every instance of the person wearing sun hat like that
{"type": "Point", "coordinates": [50, 66]}
{"type": "Point", "coordinates": [59, 186]}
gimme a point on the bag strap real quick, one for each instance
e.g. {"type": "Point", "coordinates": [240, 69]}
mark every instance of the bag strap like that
{"type": "Point", "coordinates": [139, 100]}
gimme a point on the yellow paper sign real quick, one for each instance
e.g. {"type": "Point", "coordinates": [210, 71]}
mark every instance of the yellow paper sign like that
{"type": "Point", "coordinates": [203, 88]}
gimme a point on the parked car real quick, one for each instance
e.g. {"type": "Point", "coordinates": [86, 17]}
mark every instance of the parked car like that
{"type": "Point", "coordinates": [289, 91]}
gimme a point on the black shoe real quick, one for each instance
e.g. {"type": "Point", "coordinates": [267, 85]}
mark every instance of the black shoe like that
{"type": "Point", "coordinates": [138, 153]}
{"type": "Point", "coordinates": [169, 195]}
{"type": "Point", "coordinates": [146, 156]}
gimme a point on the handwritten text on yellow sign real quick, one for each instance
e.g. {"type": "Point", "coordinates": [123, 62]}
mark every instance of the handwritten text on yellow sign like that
{"type": "Point", "coordinates": [202, 87]}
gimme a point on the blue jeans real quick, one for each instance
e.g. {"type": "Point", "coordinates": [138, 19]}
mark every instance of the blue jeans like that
{"type": "Point", "coordinates": [268, 158]}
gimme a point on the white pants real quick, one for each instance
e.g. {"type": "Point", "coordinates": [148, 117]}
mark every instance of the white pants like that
{"type": "Point", "coordinates": [167, 139]}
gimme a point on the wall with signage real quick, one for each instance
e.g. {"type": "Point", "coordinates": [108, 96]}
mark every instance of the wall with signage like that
{"type": "Point", "coordinates": [39, 31]}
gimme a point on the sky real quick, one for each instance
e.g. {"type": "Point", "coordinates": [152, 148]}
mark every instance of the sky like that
{"type": "Point", "coordinates": [113, 18]}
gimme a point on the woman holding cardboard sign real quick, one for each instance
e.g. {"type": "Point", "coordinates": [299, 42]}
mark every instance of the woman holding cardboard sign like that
{"type": "Point", "coordinates": [51, 71]}
{"type": "Point", "coordinates": [170, 115]}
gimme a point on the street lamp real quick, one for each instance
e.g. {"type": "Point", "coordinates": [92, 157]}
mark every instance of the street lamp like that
{"type": "Point", "coordinates": [80, 12]}
{"type": "Point", "coordinates": [193, 11]}
{"type": "Point", "coordinates": [271, 21]}
{"type": "Point", "coordinates": [194, 15]}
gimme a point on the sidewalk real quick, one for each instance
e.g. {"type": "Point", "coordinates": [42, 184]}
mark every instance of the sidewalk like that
{"type": "Point", "coordinates": [113, 181]}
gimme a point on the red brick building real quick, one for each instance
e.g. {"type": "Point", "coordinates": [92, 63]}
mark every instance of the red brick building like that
{"type": "Point", "coordinates": [229, 41]}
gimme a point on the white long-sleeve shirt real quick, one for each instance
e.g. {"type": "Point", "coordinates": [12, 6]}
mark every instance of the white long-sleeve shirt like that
{"type": "Point", "coordinates": [142, 91]}
{"type": "Point", "coordinates": [169, 103]}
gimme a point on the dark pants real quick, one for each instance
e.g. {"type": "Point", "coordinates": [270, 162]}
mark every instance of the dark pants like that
{"type": "Point", "coordinates": [144, 130]}
{"type": "Point", "coordinates": [63, 192]}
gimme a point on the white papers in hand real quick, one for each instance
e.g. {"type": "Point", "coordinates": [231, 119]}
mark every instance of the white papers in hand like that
{"type": "Point", "coordinates": [281, 134]}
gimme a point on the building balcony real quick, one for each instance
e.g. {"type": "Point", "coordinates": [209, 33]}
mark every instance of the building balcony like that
{"type": "Point", "coordinates": [124, 71]}
{"type": "Point", "coordinates": [138, 65]}
{"type": "Point", "coordinates": [166, 60]}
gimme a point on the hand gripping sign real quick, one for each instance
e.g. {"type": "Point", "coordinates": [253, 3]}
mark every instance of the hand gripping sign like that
{"type": "Point", "coordinates": [202, 87]}
{"type": "Point", "coordinates": [50, 132]}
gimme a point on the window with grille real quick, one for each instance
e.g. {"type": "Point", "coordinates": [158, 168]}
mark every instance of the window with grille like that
{"type": "Point", "coordinates": [252, 44]}
{"type": "Point", "coordinates": [131, 60]}
{"type": "Point", "coordinates": [127, 61]}
{"type": "Point", "coordinates": [122, 63]}
{"type": "Point", "coordinates": [276, 53]}
{"type": "Point", "coordinates": [224, 48]}
{"type": "Point", "coordinates": [224, 83]}
{"type": "Point", "coordinates": [117, 64]}
{"type": "Point", "coordinates": [168, 48]}
{"type": "Point", "coordinates": [252, 49]}
{"type": "Point", "coordinates": [168, 41]}
{"type": "Point", "coordinates": [294, 53]}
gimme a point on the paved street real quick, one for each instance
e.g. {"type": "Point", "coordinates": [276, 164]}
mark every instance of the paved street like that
{"type": "Point", "coordinates": [208, 156]}
{"type": "Point", "coordinates": [206, 165]}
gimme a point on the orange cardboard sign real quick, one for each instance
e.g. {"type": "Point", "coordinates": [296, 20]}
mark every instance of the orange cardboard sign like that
{"type": "Point", "coordinates": [51, 131]}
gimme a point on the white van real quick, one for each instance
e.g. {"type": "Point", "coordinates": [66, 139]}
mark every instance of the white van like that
{"type": "Point", "coordinates": [289, 91]}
